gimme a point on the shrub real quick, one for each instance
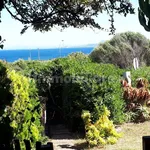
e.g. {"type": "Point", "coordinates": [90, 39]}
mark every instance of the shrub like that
{"type": "Point", "coordinates": [21, 116]}
{"type": "Point", "coordinates": [122, 49]}
{"type": "Point", "coordinates": [5, 101]}
{"type": "Point", "coordinates": [139, 114]}
{"type": "Point", "coordinates": [138, 98]}
{"type": "Point", "coordinates": [25, 112]}
{"type": "Point", "coordinates": [142, 72]}
{"type": "Point", "coordinates": [89, 85]}
{"type": "Point", "coordinates": [102, 131]}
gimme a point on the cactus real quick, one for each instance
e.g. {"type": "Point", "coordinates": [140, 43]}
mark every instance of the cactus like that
{"type": "Point", "coordinates": [144, 14]}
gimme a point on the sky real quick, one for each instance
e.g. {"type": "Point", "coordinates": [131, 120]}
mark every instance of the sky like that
{"type": "Point", "coordinates": [10, 30]}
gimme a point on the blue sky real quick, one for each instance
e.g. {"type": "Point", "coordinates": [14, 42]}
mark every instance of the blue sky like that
{"type": "Point", "coordinates": [10, 30]}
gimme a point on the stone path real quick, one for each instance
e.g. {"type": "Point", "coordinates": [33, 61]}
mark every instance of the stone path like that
{"type": "Point", "coordinates": [62, 138]}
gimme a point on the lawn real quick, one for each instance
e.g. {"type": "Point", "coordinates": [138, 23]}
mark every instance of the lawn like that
{"type": "Point", "coordinates": [132, 137]}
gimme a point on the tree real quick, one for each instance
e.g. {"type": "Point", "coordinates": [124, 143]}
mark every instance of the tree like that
{"type": "Point", "coordinates": [45, 14]}
{"type": "Point", "coordinates": [144, 14]}
{"type": "Point", "coordinates": [122, 49]}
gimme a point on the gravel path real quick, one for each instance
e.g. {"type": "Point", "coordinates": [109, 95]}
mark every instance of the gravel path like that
{"type": "Point", "coordinates": [63, 139]}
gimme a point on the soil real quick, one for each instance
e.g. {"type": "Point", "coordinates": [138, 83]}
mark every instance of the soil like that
{"type": "Point", "coordinates": [63, 139]}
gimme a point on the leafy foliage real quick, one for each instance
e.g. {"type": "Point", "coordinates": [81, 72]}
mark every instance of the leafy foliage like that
{"type": "Point", "coordinates": [44, 15]}
{"type": "Point", "coordinates": [137, 97]}
{"type": "Point", "coordinates": [142, 72]}
{"type": "Point", "coordinates": [102, 131]}
{"type": "Point", "coordinates": [75, 83]}
{"type": "Point", "coordinates": [5, 101]}
{"type": "Point", "coordinates": [91, 85]}
{"type": "Point", "coordinates": [20, 110]}
{"type": "Point", "coordinates": [139, 114]}
{"type": "Point", "coordinates": [25, 110]}
{"type": "Point", "coordinates": [38, 70]}
{"type": "Point", "coordinates": [122, 49]}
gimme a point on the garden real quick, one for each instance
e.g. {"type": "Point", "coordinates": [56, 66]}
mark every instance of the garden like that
{"type": "Point", "coordinates": [90, 98]}
{"type": "Point", "coordinates": [87, 93]}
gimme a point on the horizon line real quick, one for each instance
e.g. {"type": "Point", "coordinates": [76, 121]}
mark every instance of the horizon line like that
{"type": "Point", "coordinates": [78, 46]}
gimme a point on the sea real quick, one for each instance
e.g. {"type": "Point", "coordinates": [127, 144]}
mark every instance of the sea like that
{"type": "Point", "coordinates": [41, 54]}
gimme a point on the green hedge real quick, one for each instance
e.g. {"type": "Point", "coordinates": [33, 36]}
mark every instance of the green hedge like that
{"type": "Point", "coordinates": [92, 84]}
{"type": "Point", "coordinates": [21, 113]}
{"type": "Point", "coordinates": [84, 85]}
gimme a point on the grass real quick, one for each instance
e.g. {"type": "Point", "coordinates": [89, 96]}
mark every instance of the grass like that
{"type": "Point", "coordinates": [131, 140]}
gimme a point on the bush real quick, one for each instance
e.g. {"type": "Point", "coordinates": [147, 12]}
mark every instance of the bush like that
{"type": "Point", "coordinates": [82, 85]}
{"type": "Point", "coordinates": [139, 114]}
{"type": "Point", "coordinates": [102, 132]}
{"type": "Point", "coordinates": [122, 49]}
{"type": "Point", "coordinates": [20, 110]}
{"type": "Point", "coordinates": [91, 84]}
{"type": "Point", "coordinates": [5, 101]}
{"type": "Point", "coordinates": [25, 112]}
{"type": "Point", "coordinates": [142, 72]}
{"type": "Point", "coordinates": [137, 100]}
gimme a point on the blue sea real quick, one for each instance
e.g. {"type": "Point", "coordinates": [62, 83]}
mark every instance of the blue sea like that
{"type": "Point", "coordinates": [40, 54]}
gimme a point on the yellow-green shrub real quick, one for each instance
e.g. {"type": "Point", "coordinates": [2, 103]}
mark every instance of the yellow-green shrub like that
{"type": "Point", "coordinates": [102, 131]}
{"type": "Point", "coordinates": [24, 114]}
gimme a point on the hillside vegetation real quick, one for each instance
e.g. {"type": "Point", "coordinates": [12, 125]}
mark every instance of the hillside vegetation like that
{"type": "Point", "coordinates": [76, 86]}
{"type": "Point", "coordinates": [86, 95]}
{"type": "Point", "coordinates": [122, 49]}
